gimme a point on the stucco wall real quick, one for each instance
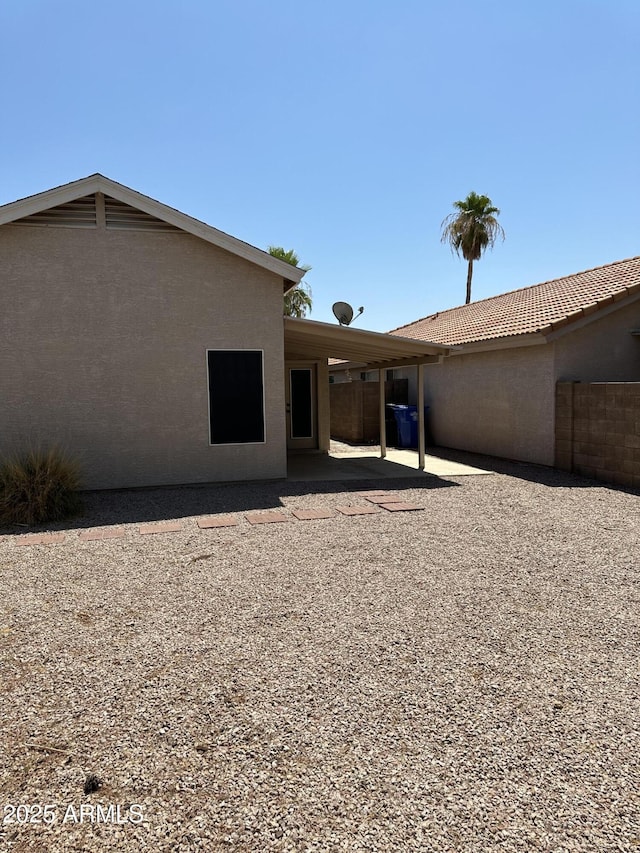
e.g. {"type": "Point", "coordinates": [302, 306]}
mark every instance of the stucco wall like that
{"type": "Point", "coordinates": [602, 350]}
{"type": "Point", "coordinates": [500, 403]}
{"type": "Point", "coordinates": [103, 336]}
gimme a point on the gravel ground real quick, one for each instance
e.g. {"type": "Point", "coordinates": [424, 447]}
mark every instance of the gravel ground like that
{"type": "Point", "coordinates": [459, 679]}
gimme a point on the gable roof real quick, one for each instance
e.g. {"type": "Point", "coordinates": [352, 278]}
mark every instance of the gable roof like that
{"type": "Point", "coordinates": [98, 183]}
{"type": "Point", "coordinates": [541, 308]}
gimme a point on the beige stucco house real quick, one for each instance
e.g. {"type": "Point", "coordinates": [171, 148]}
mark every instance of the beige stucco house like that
{"type": "Point", "coordinates": [495, 392]}
{"type": "Point", "coordinates": [153, 348]}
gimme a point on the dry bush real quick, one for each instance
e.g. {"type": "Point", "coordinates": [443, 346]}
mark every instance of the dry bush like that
{"type": "Point", "coordinates": [38, 486]}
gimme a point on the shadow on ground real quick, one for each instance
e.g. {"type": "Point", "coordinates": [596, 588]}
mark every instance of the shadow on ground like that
{"type": "Point", "coordinates": [130, 506]}
{"type": "Point", "coordinates": [542, 474]}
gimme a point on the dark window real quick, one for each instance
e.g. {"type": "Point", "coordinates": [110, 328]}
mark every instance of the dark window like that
{"type": "Point", "coordinates": [236, 396]}
{"type": "Point", "coordinates": [301, 408]}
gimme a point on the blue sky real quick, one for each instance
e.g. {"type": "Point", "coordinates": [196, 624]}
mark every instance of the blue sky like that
{"type": "Point", "coordinates": [344, 130]}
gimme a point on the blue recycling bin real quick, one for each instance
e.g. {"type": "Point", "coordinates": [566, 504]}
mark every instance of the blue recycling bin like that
{"type": "Point", "coordinates": [407, 421]}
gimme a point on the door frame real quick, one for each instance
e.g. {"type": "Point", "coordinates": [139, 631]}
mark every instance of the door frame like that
{"type": "Point", "coordinates": [306, 442]}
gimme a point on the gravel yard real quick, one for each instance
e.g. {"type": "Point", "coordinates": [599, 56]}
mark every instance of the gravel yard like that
{"type": "Point", "coordinates": [464, 678]}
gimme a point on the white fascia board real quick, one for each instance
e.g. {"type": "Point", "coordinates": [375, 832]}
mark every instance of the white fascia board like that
{"type": "Point", "coordinates": [50, 198]}
{"type": "Point", "coordinates": [98, 183]}
{"type": "Point", "coordinates": [199, 229]}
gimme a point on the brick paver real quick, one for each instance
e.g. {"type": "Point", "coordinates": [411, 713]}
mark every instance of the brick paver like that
{"type": "Point", "coordinates": [216, 521]}
{"type": "Point", "coordinates": [101, 533]}
{"type": "Point", "coordinates": [265, 517]}
{"type": "Point", "coordinates": [41, 539]}
{"type": "Point", "coordinates": [400, 506]}
{"type": "Point", "coordinates": [161, 527]}
{"type": "Point", "coordinates": [311, 514]}
{"type": "Point", "coordinates": [379, 499]}
{"type": "Point", "coordinates": [356, 510]}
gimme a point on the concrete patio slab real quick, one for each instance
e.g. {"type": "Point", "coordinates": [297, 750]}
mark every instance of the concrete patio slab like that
{"type": "Point", "coordinates": [349, 463]}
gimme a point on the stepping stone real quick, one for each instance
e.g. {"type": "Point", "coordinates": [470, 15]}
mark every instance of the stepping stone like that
{"type": "Point", "coordinates": [400, 506]}
{"type": "Point", "coordinates": [113, 533]}
{"type": "Point", "coordinates": [162, 527]}
{"type": "Point", "coordinates": [101, 533]}
{"type": "Point", "coordinates": [206, 522]}
{"type": "Point", "coordinates": [41, 539]}
{"type": "Point", "coordinates": [265, 517]}
{"type": "Point", "coordinates": [311, 514]}
{"type": "Point", "coordinates": [356, 510]}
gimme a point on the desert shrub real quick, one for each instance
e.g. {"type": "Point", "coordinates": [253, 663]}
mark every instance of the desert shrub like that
{"type": "Point", "coordinates": [38, 486]}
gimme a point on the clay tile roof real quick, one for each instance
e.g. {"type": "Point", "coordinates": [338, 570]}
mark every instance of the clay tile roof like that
{"type": "Point", "coordinates": [540, 308]}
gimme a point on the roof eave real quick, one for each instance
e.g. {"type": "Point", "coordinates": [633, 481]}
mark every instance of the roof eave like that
{"type": "Point", "coordinates": [99, 183]}
{"type": "Point", "coordinates": [591, 313]}
{"type": "Point", "coordinates": [509, 342]}
{"type": "Point", "coordinates": [374, 349]}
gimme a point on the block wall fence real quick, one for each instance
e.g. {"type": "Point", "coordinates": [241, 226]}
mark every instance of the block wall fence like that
{"type": "Point", "coordinates": [597, 430]}
{"type": "Point", "coordinates": [355, 408]}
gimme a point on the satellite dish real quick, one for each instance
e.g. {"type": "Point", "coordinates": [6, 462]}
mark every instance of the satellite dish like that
{"type": "Point", "coordinates": [343, 312]}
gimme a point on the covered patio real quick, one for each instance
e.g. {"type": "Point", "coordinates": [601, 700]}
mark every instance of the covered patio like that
{"type": "Point", "coordinates": [346, 463]}
{"type": "Point", "coordinates": [307, 341]}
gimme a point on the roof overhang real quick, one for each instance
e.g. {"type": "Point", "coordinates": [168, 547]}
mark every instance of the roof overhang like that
{"type": "Point", "coordinates": [309, 339]}
{"type": "Point", "coordinates": [592, 313]}
{"type": "Point", "coordinates": [508, 342]}
{"type": "Point", "coordinates": [98, 183]}
{"type": "Point", "coordinates": [558, 329]}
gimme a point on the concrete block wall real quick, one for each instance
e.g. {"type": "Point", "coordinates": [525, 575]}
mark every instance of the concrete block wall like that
{"type": "Point", "coordinates": [597, 430]}
{"type": "Point", "coordinates": [355, 408]}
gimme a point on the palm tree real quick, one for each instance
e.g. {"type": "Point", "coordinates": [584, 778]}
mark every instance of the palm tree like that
{"type": "Point", "coordinates": [471, 229]}
{"type": "Point", "coordinates": [297, 301]}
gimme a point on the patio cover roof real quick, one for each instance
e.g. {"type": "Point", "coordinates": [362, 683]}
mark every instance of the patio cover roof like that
{"type": "Point", "coordinates": [309, 339]}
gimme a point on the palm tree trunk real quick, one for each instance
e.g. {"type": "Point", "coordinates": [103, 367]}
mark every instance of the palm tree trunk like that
{"type": "Point", "coordinates": [469, 274]}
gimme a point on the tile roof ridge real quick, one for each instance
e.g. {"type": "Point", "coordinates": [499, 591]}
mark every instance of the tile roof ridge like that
{"type": "Point", "coordinates": [554, 280]}
{"type": "Point", "coordinates": [413, 322]}
{"type": "Point", "coordinates": [516, 290]}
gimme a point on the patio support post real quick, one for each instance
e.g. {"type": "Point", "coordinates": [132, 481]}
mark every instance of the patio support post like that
{"type": "Point", "coordinates": [383, 424]}
{"type": "Point", "coordinates": [420, 378]}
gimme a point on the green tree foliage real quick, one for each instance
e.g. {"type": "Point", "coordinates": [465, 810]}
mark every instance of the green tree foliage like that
{"type": "Point", "coordinates": [470, 229]}
{"type": "Point", "coordinates": [298, 301]}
